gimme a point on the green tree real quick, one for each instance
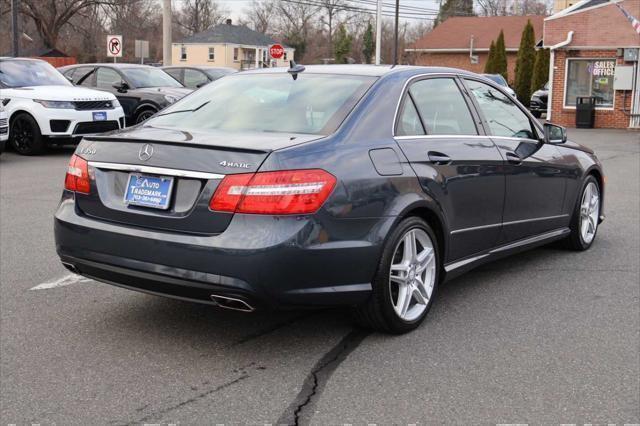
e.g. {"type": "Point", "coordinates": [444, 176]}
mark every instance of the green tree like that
{"type": "Point", "coordinates": [525, 63]}
{"type": "Point", "coordinates": [501, 57]}
{"type": "Point", "coordinates": [342, 45]}
{"type": "Point", "coordinates": [449, 8]}
{"type": "Point", "coordinates": [540, 69]}
{"type": "Point", "coordinates": [489, 67]}
{"type": "Point", "coordinates": [298, 42]}
{"type": "Point", "coordinates": [368, 45]}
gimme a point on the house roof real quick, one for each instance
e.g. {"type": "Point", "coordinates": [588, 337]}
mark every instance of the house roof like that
{"type": "Point", "coordinates": [455, 33]}
{"type": "Point", "coordinates": [228, 33]}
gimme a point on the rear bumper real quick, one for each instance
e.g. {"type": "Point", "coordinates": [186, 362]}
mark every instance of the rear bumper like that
{"type": "Point", "coordinates": [265, 261]}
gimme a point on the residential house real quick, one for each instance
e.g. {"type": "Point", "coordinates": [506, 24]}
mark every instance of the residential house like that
{"type": "Point", "coordinates": [228, 45]}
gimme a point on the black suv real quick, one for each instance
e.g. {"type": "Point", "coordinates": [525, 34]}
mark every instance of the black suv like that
{"type": "Point", "coordinates": [142, 90]}
{"type": "Point", "coordinates": [539, 99]}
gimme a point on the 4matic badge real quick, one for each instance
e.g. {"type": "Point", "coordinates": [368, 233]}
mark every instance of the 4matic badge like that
{"type": "Point", "coordinates": [235, 164]}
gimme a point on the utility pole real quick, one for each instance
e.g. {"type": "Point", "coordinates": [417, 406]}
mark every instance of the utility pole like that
{"type": "Point", "coordinates": [395, 35]}
{"type": "Point", "coordinates": [166, 32]}
{"type": "Point", "coordinates": [378, 32]}
{"type": "Point", "coordinates": [15, 41]}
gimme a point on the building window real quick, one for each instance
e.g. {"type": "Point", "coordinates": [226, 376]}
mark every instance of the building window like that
{"type": "Point", "coordinates": [590, 77]}
{"type": "Point", "coordinates": [183, 53]}
{"type": "Point", "coordinates": [212, 53]}
{"type": "Point", "coordinates": [236, 52]}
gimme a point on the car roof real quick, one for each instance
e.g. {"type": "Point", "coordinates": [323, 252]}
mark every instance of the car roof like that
{"type": "Point", "coordinates": [365, 70]}
{"type": "Point", "coordinates": [199, 67]}
{"type": "Point", "coordinates": [110, 65]}
{"type": "Point", "coordinates": [13, 58]}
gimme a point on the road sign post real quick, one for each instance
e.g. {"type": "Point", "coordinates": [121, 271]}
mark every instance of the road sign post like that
{"type": "Point", "coordinates": [114, 46]}
{"type": "Point", "coordinates": [142, 50]}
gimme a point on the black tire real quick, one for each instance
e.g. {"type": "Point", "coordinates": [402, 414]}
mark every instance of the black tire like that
{"type": "Point", "coordinates": [536, 114]}
{"type": "Point", "coordinates": [378, 312]}
{"type": "Point", "coordinates": [144, 114]}
{"type": "Point", "coordinates": [25, 136]}
{"type": "Point", "coordinates": [575, 240]}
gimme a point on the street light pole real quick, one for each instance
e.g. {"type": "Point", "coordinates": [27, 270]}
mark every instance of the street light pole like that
{"type": "Point", "coordinates": [15, 42]}
{"type": "Point", "coordinates": [378, 32]}
{"type": "Point", "coordinates": [395, 35]}
{"type": "Point", "coordinates": [166, 32]}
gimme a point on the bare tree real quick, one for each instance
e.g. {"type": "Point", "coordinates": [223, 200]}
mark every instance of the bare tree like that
{"type": "Point", "coordinates": [330, 9]}
{"type": "Point", "coordinates": [198, 15]}
{"type": "Point", "coordinates": [261, 15]}
{"type": "Point", "coordinates": [50, 16]}
{"type": "Point", "coordinates": [296, 21]}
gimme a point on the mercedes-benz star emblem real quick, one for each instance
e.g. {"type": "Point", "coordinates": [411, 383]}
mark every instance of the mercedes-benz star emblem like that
{"type": "Point", "coordinates": [145, 152]}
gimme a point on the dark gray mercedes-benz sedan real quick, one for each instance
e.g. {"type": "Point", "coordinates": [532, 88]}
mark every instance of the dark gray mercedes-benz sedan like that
{"type": "Point", "coordinates": [360, 186]}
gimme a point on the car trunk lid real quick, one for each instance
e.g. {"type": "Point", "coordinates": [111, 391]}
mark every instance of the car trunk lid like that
{"type": "Point", "coordinates": [186, 168]}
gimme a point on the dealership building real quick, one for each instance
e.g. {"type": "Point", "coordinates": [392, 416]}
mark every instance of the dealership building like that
{"type": "Point", "coordinates": [594, 54]}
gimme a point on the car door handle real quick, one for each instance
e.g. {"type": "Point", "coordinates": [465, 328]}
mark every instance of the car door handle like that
{"type": "Point", "coordinates": [513, 158]}
{"type": "Point", "coordinates": [439, 158]}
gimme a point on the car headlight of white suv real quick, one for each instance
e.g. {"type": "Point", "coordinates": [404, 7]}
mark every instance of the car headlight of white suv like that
{"type": "Point", "coordinates": [56, 104]}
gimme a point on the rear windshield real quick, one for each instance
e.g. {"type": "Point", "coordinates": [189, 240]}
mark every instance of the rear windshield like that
{"type": "Point", "coordinates": [312, 104]}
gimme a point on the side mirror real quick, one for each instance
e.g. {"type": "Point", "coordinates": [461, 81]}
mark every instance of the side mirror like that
{"type": "Point", "coordinates": [554, 134]}
{"type": "Point", "coordinates": [121, 87]}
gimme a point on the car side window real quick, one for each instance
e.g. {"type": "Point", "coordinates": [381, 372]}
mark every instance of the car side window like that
{"type": "Point", "coordinates": [409, 123]}
{"type": "Point", "coordinates": [442, 107]}
{"type": "Point", "coordinates": [83, 76]}
{"type": "Point", "coordinates": [193, 78]}
{"type": "Point", "coordinates": [106, 78]}
{"type": "Point", "coordinates": [502, 114]}
{"type": "Point", "coordinates": [174, 72]}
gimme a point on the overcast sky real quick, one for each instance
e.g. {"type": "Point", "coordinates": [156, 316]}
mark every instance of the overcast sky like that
{"type": "Point", "coordinates": [237, 6]}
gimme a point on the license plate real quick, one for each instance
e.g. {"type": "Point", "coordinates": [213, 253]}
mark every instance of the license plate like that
{"type": "Point", "coordinates": [149, 191]}
{"type": "Point", "coordinates": [99, 116]}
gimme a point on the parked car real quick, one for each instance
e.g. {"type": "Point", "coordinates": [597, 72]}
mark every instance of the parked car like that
{"type": "Point", "coordinates": [539, 100]}
{"type": "Point", "coordinates": [498, 78]}
{"type": "Point", "coordinates": [141, 89]}
{"type": "Point", "coordinates": [355, 185]}
{"type": "Point", "coordinates": [4, 126]}
{"type": "Point", "coordinates": [195, 77]}
{"type": "Point", "coordinates": [45, 108]}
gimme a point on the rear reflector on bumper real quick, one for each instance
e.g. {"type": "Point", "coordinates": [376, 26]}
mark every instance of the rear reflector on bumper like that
{"type": "Point", "coordinates": [281, 192]}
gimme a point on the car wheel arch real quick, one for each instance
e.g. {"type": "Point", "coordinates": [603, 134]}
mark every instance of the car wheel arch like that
{"type": "Point", "coordinates": [146, 106]}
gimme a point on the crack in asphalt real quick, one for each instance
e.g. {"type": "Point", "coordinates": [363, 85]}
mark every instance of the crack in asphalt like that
{"type": "Point", "coordinates": [319, 376]}
{"type": "Point", "coordinates": [270, 329]}
{"type": "Point", "coordinates": [160, 413]}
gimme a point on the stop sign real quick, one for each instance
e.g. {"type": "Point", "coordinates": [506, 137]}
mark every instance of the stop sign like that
{"type": "Point", "coordinates": [276, 51]}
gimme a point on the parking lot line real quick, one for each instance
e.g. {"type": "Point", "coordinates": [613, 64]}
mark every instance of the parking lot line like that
{"type": "Point", "coordinates": [61, 282]}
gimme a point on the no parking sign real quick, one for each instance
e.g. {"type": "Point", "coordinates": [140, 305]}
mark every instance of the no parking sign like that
{"type": "Point", "coordinates": [114, 46]}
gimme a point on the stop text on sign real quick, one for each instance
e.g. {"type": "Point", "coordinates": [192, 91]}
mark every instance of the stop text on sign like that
{"type": "Point", "coordinates": [276, 51]}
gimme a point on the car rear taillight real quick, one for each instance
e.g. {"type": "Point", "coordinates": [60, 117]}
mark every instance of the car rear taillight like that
{"type": "Point", "coordinates": [77, 178]}
{"type": "Point", "coordinates": [282, 192]}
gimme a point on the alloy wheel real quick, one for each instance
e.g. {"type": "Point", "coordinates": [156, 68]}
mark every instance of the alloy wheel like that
{"type": "Point", "coordinates": [589, 212]}
{"type": "Point", "coordinates": [412, 275]}
{"type": "Point", "coordinates": [143, 116]}
{"type": "Point", "coordinates": [22, 135]}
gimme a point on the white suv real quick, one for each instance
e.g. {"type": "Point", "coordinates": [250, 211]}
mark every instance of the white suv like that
{"type": "Point", "coordinates": [44, 107]}
{"type": "Point", "coordinates": [4, 126]}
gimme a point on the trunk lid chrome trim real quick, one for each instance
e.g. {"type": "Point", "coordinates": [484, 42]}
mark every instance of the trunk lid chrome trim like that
{"type": "Point", "coordinates": [155, 170]}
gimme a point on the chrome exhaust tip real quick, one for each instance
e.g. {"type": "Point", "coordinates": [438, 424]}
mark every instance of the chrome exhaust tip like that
{"type": "Point", "coordinates": [70, 267]}
{"type": "Point", "coordinates": [232, 303]}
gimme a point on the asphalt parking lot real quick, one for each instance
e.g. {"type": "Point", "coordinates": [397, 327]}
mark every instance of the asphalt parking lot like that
{"type": "Point", "coordinates": [548, 336]}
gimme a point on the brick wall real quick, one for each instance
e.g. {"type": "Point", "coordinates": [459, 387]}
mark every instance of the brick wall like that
{"type": "Point", "coordinates": [615, 118]}
{"type": "Point", "coordinates": [461, 60]}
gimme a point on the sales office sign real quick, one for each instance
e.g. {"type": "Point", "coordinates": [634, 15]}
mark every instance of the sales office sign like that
{"type": "Point", "coordinates": [602, 68]}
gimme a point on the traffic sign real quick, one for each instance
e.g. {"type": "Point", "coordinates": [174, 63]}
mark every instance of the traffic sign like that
{"type": "Point", "coordinates": [276, 51]}
{"type": "Point", "coordinates": [142, 49]}
{"type": "Point", "coordinates": [114, 46]}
